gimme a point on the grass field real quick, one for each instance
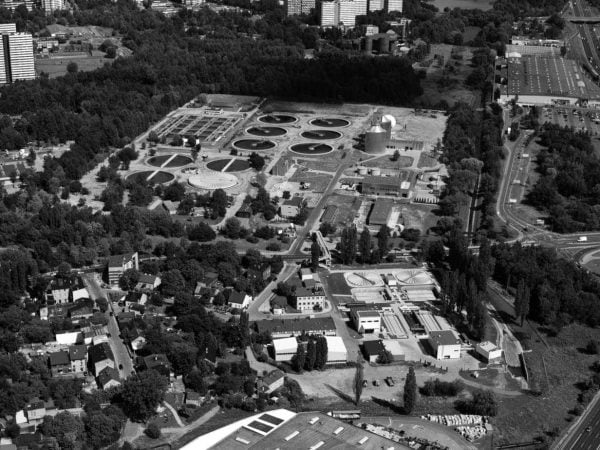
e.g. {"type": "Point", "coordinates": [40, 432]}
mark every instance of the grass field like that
{"type": "Point", "coordinates": [58, 67]}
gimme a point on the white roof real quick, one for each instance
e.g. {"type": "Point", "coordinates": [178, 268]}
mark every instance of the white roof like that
{"type": "Point", "coordinates": [487, 346]}
{"type": "Point", "coordinates": [285, 345]}
{"type": "Point", "coordinates": [335, 344]}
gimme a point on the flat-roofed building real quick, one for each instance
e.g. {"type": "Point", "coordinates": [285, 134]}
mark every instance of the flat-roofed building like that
{"type": "Point", "coordinates": [445, 344]}
{"type": "Point", "coordinates": [295, 327]}
{"type": "Point", "coordinates": [284, 349]}
{"type": "Point", "coordinates": [380, 214]}
{"type": "Point", "coordinates": [488, 351]}
{"type": "Point", "coordinates": [118, 264]}
{"type": "Point", "coordinates": [373, 349]}
{"type": "Point", "coordinates": [367, 322]}
{"type": "Point", "coordinates": [286, 430]}
{"type": "Point", "coordinates": [397, 186]}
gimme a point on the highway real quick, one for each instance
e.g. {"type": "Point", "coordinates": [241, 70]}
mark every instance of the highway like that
{"type": "Point", "coordinates": [122, 356]}
{"type": "Point", "coordinates": [584, 434]}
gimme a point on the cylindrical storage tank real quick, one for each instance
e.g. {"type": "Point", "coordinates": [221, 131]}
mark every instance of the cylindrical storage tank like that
{"type": "Point", "coordinates": [376, 172]}
{"type": "Point", "coordinates": [375, 140]}
{"type": "Point", "coordinates": [387, 123]}
{"type": "Point", "coordinates": [368, 44]}
{"type": "Point", "coordinates": [363, 171]}
{"type": "Point", "coordinates": [384, 44]}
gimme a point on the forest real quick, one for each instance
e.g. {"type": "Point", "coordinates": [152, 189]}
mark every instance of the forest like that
{"type": "Point", "coordinates": [472, 147]}
{"type": "Point", "coordinates": [568, 188]}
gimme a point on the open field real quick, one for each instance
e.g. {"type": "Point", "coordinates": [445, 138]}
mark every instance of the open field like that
{"type": "Point", "coordinates": [484, 5]}
{"type": "Point", "coordinates": [58, 67]}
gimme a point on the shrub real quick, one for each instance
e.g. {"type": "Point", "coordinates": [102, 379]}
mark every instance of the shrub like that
{"type": "Point", "coordinates": [273, 247]}
{"type": "Point", "coordinates": [152, 431]}
{"type": "Point", "coordinates": [439, 388]}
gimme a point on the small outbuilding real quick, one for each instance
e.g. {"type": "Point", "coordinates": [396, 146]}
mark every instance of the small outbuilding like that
{"type": "Point", "coordinates": [488, 351]}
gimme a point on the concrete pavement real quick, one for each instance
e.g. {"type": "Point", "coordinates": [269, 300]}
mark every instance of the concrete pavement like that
{"type": "Point", "coordinates": [254, 310]}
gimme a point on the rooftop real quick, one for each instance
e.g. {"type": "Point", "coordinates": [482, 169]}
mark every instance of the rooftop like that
{"type": "Point", "coordinates": [381, 211]}
{"type": "Point", "coordinates": [271, 377]}
{"type": "Point", "coordinates": [285, 345]}
{"type": "Point", "coordinates": [296, 325]}
{"type": "Point", "coordinates": [307, 430]}
{"type": "Point", "coordinates": [368, 313]}
{"type": "Point", "coordinates": [373, 347]}
{"type": "Point", "coordinates": [107, 374]}
{"type": "Point", "coordinates": [77, 352]}
{"type": "Point", "coordinates": [60, 358]}
{"type": "Point", "coordinates": [444, 337]}
{"type": "Point", "coordinates": [294, 201]}
{"type": "Point", "coordinates": [487, 346]}
{"type": "Point", "coordinates": [100, 352]}
{"type": "Point", "coordinates": [117, 261]}
{"type": "Point", "coordinates": [237, 297]}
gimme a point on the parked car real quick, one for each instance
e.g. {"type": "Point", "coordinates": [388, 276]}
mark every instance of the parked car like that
{"type": "Point", "coordinates": [390, 381]}
{"type": "Point", "coordinates": [365, 383]}
{"type": "Point", "coordinates": [375, 382]}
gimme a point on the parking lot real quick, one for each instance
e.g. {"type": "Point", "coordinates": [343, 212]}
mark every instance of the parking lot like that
{"type": "Point", "coordinates": [578, 118]}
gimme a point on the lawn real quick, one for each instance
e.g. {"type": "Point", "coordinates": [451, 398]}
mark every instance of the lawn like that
{"type": "Point", "coordinates": [58, 67]}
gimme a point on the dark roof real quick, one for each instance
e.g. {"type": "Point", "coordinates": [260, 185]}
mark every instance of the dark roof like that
{"type": "Point", "coordinates": [60, 358]}
{"type": "Point", "coordinates": [237, 297]}
{"type": "Point", "coordinates": [77, 352]}
{"type": "Point", "coordinates": [133, 297]}
{"type": "Point", "coordinates": [294, 201]}
{"type": "Point", "coordinates": [381, 211]}
{"type": "Point", "coordinates": [279, 300]}
{"type": "Point", "coordinates": [382, 181]}
{"type": "Point", "coordinates": [119, 260]}
{"type": "Point", "coordinates": [147, 278]}
{"type": "Point", "coordinates": [35, 404]}
{"type": "Point", "coordinates": [100, 352]}
{"type": "Point", "coordinates": [373, 347]}
{"type": "Point", "coordinates": [296, 325]}
{"type": "Point", "coordinates": [81, 311]}
{"type": "Point", "coordinates": [444, 337]}
{"type": "Point", "coordinates": [273, 376]}
{"type": "Point", "coordinates": [329, 214]}
{"type": "Point", "coordinates": [156, 360]}
{"type": "Point", "coordinates": [126, 317]}
{"type": "Point", "coordinates": [107, 374]}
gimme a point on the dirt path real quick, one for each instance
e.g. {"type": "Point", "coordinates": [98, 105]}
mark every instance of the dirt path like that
{"type": "Point", "coordinates": [178, 432]}
{"type": "Point", "coordinates": [175, 415]}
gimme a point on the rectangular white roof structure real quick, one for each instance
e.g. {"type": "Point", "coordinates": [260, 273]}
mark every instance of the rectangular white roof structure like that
{"type": "Point", "coordinates": [285, 345]}
{"type": "Point", "coordinates": [335, 344]}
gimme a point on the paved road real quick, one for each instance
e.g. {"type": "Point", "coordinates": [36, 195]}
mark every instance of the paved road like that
{"type": "Point", "coordinates": [576, 437]}
{"type": "Point", "coordinates": [254, 312]}
{"type": "Point", "coordinates": [122, 357]}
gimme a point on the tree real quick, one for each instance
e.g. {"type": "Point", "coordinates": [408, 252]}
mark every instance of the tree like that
{"type": "Point", "coordinates": [364, 245]}
{"type": "Point", "coordinates": [385, 357]}
{"type": "Point", "coordinates": [311, 355]}
{"type": "Point", "coordinates": [65, 427]}
{"type": "Point", "coordinates": [218, 203]}
{"type": "Point", "coordinates": [395, 156]}
{"type": "Point", "coordinates": [315, 252]}
{"type": "Point", "coordinates": [293, 392]}
{"type": "Point", "coordinates": [410, 391]}
{"type": "Point", "coordinates": [142, 393]}
{"type": "Point", "coordinates": [483, 403]}
{"type": "Point", "coordinates": [256, 161]}
{"type": "Point", "coordinates": [172, 282]}
{"type": "Point", "coordinates": [321, 353]}
{"type": "Point", "coordinates": [72, 67]}
{"type": "Point", "coordinates": [232, 228]}
{"type": "Point", "coordinates": [347, 245]}
{"type": "Point", "coordinates": [592, 347]}
{"type": "Point", "coordinates": [357, 385]}
{"type": "Point", "coordinates": [202, 233]}
{"type": "Point", "coordinates": [103, 428]}
{"type": "Point", "coordinates": [382, 240]}
{"type": "Point", "coordinates": [129, 279]}
{"type": "Point", "coordinates": [152, 431]}
{"type": "Point", "coordinates": [63, 270]}
{"type": "Point", "coordinates": [299, 359]}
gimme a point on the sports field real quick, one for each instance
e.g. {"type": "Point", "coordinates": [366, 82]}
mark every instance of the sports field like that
{"type": "Point", "coordinates": [58, 67]}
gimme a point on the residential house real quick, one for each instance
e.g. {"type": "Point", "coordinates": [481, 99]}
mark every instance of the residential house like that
{"type": "Point", "coordinates": [193, 398]}
{"type": "Point", "coordinates": [58, 291]}
{"type": "Point", "coordinates": [99, 357]}
{"type": "Point", "coordinates": [118, 264]}
{"type": "Point", "coordinates": [239, 300]}
{"type": "Point", "coordinates": [35, 411]}
{"type": "Point", "coordinates": [136, 340]}
{"type": "Point", "coordinates": [125, 318]}
{"type": "Point", "coordinates": [245, 211]}
{"type": "Point", "coordinates": [158, 362]}
{"type": "Point", "coordinates": [148, 282]}
{"type": "Point", "coordinates": [210, 280]}
{"type": "Point", "coordinates": [78, 358]}
{"type": "Point", "coordinates": [108, 378]}
{"type": "Point", "coordinates": [78, 290]}
{"type": "Point", "coordinates": [291, 207]}
{"type": "Point", "coordinates": [170, 207]}
{"type": "Point", "coordinates": [69, 337]}
{"type": "Point", "coordinates": [308, 299]}
{"type": "Point", "coordinates": [260, 272]}
{"type": "Point", "coordinates": [80, 313]}
{"type": "Point", "coordinates": [135, 298]}
{"type": "Point", "coordinates": [278, 304]}
{"type": "Point", "coordinates": [271, 382]}
{"type": "Point", "coordinates": [94, 334]}
{"type": "Point", "coordinates": [60, 364]}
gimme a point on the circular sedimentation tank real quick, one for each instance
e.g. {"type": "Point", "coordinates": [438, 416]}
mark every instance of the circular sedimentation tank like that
{"type": "Point", "coordinates": [278, 118]}
{"type": "Point", "coordinates": [311, 148]}
{"type": "Point", "coordinates": [228, 165]}
{"type": "Point", "coordinates": [177, 161]}
{"type": "Point", "coordinates": [329, 122]}
{"type": "Point", "coordinates": [209, 180]}
{"type": "Point", "coordinates": [254, 144]}
{"type": "Point", "coordinates": [321, 135]}
{"type": "Point", "coordinates": [266, 131]}
{"type": "Point", "coordinates": [152, 176]}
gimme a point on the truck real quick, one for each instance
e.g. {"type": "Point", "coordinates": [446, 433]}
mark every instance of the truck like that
{"type": "Point", "coordinates": [582, 239]}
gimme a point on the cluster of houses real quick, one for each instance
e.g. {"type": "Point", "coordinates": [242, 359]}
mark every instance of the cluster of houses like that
{"type": "Point", "coordinates": [307, 295]}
